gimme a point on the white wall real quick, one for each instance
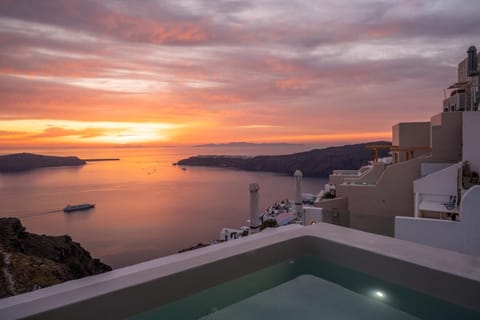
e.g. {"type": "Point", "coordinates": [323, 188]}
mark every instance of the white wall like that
{"type": "Point", "coordinates": [446, 137]}
{"type": "Point", "coordinates": [470, 214]}
{"type": "Point", "coordinates": [462, 236]}
{"type": "Point", "coordinates": [411, 134]}
{"type": "Point", "coordinates": [471, 139]}
{"type": "Point", "coordinates": [431, 167]}
{"type": "Point", "coordinates": [432, 232]}
{"type": "Point", "coordinates": [442, 182]}
{"type": "Point", "coordinates": [312, 214]}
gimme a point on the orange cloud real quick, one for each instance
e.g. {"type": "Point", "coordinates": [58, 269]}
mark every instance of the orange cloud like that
{"type": "Point", "coordinates": [54, 132]}
{"type": "Point", "coordinates": [53, 65]}
{"type": "Point", "coordinates": [11, 133]}
{"type": "Point", "coordinates": [36, 131]}
{"type": "Point", "coordinates": [279, 65]}
{"type": "Point", "coordinates": [383, 31]}
{"type": "Point", "coordinates": [222, 71]}
{"type": "Point", "coordinates": [149, 30]}
{"type": "Point", "coordinates": [291, 84]}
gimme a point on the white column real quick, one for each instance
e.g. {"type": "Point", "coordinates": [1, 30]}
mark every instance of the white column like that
{"type": "Point", "coordinates": [298, 193]}
{"type": "Point", "coordinates": [254, 205]}
{"type": "Point", "coordinates": [417, 205]}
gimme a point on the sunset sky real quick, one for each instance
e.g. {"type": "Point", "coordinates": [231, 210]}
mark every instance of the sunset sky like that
{"type": "Point", "coordinates": [188, 72]}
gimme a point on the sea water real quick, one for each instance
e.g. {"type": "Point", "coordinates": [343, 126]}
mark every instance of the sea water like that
{"type": "Point", "coordinates": [145, 207]}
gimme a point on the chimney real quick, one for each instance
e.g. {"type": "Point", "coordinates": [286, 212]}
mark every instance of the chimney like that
{"type": "Point", "coordinates": [254, 205]}
{"type": "Point", "coordinates": [298, 192]}
{"type": "Point", "coordinates": [472, 63]}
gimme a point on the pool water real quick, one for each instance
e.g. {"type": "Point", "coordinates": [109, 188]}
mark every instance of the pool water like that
{"type": "Point", "coordinates": [312, 298]}
{"type": "Point", "coordinates": [308, 288]}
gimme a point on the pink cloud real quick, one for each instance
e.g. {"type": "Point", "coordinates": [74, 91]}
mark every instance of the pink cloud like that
{"type": "Point", "coordinates": [325, 67]}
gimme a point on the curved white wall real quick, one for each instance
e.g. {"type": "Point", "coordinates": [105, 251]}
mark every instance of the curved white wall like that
{"type": "Point", "coordinates": [470, 210]}
{"type": "Point", "coordinates": [462, 236]}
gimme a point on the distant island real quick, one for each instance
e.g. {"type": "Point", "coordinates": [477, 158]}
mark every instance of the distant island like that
{"type": "Point", "coordinates": [249, 144]}
{"type": "Point", "coordinates": [29, 261]}
{"type": "Point", "coordinates": [19, 162]}
{"type": "Point", "coordinates": [314, 163]}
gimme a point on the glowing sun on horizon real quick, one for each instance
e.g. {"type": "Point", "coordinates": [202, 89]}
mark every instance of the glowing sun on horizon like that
{"type": "Point", "coordinates": [80, 132]}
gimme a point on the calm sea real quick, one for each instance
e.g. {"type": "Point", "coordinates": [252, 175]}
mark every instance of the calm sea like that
{"type": "Point", "coordinates": [145, 207]}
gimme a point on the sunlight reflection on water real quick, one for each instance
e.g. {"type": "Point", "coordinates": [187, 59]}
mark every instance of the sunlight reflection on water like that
{"type": "Point", "coordinates": [145, 207]}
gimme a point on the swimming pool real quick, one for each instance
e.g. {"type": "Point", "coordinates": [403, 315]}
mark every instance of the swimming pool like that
{"type": "Point", "coordinates": [308, 287]}
{"type": "Point", "coordinates": [224, 276]}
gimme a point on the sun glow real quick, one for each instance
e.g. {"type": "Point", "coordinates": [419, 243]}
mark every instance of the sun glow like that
{"type": "Point", "coordinates": [81, 132]}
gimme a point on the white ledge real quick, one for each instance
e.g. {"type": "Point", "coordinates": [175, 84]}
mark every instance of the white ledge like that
{"type": "Point", "coordinates": [439, 260]}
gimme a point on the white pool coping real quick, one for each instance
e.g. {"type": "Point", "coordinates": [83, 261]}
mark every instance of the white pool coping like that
{"type": "Point", "coordinates": [439, 260]}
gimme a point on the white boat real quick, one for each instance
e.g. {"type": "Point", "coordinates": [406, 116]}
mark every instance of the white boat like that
{"type": "Point", "coordinates": [78, 207]}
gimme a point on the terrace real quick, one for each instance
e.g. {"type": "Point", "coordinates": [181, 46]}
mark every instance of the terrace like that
{"type": "Point", "coordinates": [445, 283]}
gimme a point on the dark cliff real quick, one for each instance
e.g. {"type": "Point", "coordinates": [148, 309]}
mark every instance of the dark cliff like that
{"type": "Point", "coordinates": [29, 261]}
{"type": "Point", "coordinates": [27, 161]}
{"type": "Point", "coordinates": [314, 163]}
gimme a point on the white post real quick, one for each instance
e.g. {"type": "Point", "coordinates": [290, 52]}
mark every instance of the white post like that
{"type": "Point", "coordinates": [254, 205]}
{"type": "Point", "coordinates": [417, 205]}
{"type": "Point", "coordinates": [298, 193]}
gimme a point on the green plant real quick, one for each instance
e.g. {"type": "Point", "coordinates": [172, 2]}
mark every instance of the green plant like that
{"type": "Point", "coordinates": [328, 195]}
{"type": "Point", "coordinates": [270, 223]}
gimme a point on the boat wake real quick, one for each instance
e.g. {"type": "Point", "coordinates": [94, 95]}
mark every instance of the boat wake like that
{"type": "Point", "coordinates": [36, 214]}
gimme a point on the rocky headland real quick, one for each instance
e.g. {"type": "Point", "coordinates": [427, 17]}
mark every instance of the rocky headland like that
{"type": "Point", "coordinates": [29, 261]}
{"type": "Point", "coordinates": [249, 144]}
{"type": "Point", "coordinates": [313, 163]}
{"type": "Point", "coordinates": [19, 162]}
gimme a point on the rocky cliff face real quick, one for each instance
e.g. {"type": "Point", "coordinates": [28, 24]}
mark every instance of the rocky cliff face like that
{"type": "Point", "coordinates": [314, 163]}
{"type": "Point", "coordinates": [29, 261]}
